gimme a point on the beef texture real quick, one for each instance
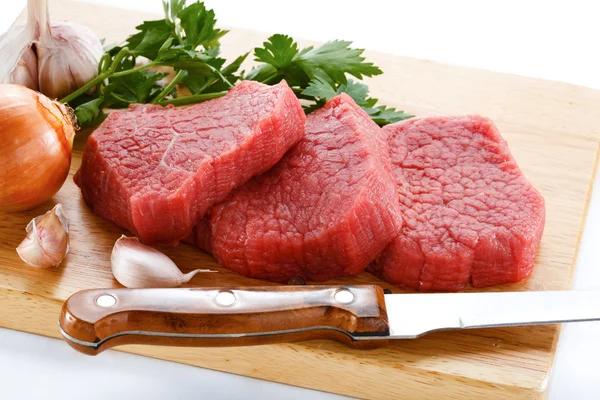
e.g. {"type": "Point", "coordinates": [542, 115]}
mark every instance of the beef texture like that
{"type": "Point", "coordinates": [470, 216]}
{"type": "Point", "coordinates": [327, 209]}
{"type": "Point", "coordinates": [155, 171]}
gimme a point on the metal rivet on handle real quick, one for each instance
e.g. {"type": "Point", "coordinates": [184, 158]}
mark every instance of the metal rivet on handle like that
{"type": "Point", "coordinates": [106, 300]}
{"type": "Point", "coordinates": [225, 298]}
{"type": "Point", "coordinates": [344, 296]}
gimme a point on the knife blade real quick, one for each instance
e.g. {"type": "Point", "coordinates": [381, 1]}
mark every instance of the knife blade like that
{"type": "Point", "coordinates": [360, 316]}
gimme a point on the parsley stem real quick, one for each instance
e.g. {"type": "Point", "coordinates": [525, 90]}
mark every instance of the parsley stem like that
{"type": "Point", "coordinates": [132, 70]}
{"type": "Point", "coordinates": [110, 71]}
{"type": "Point", "coordinates": [84, 88]}
{"type": "Point", "coordinates": [103, 62]}
{"type": "Point", "coordinates": [169, 87]}
{"type": "Point", "coordinates": [216, 71]}
{"type": "Point", "coordinates": [207, 84]}
{"type": "Point", "coordinates": [193, 99]}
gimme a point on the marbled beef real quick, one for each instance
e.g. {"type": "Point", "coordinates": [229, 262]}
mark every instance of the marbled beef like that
{"type": "Point", "coordinates": [327, 209]}
{"type": "Point", "coordinates": [470, 216]}
{"type": "Point", "coordinates": [155, 171]}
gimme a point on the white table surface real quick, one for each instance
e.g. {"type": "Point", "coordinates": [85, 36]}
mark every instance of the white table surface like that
{"type": "Point", "coordinates": [555, 40]}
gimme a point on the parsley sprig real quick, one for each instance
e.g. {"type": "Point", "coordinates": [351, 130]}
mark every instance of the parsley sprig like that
{"type": "Point", "coordinates": [318, 74]}
{"type": "Point", "coordinates": [187, 41]}
{"type": "Point", "coordinates": [331, 62]}
{"type": "Point", "coordinates": [322, 91]}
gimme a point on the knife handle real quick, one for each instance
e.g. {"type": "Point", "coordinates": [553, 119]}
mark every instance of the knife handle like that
{"type": "Point", "coordinates": [98, 319]}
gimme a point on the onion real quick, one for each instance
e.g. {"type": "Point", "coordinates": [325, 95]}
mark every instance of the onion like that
{"type": "Point", "coordinates": [36, 139]}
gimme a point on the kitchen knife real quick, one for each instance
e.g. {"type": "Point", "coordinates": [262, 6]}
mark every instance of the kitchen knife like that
{"type": "Point", "coordinates": [360, 316]}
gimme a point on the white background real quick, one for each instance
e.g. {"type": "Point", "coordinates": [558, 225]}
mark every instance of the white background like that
{"type": "Point", "coordinates": [547, 39]}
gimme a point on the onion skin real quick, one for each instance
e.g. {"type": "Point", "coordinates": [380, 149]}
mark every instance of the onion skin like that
{"type": "Point", "coordinates": [36, 140]}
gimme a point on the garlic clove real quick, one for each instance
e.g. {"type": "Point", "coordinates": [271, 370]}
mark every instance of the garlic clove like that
{"type": "Point", "coordinates": [26, 73]}
{"type": "Point", "coordinates": [15, 45]}
{"type": "Point", "coordinates": [67, 58]}
{"type": "Point", "coordinates": [47, 240]}
{"type": "Point", "coordinates": [135, 265]}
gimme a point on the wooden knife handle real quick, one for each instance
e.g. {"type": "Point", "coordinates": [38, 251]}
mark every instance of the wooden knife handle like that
{"type": "Point", "coordinates": [98, 319]}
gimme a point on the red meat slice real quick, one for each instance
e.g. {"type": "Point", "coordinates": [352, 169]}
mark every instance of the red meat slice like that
{"type": "Point", "coordinates": [469, 213]}
{"type": "Point", "coordinates": [156, 170]}
{"type": "Point", "coordinates": [327, 209]}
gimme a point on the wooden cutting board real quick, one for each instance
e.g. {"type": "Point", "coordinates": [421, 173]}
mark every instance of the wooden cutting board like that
{"type": "Point", "coordinates": [552, 130]}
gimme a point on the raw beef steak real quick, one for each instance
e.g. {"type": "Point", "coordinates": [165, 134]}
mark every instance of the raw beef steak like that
{"type": "Point", "coordinates": [157, 170]}
{"type": "Point", "coordinates": [327, 209]}
{"type": "Point", "coordinates": [469, 213]}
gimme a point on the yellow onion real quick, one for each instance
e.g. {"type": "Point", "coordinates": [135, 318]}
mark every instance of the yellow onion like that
{"type": "Point", "coordinates": [36, 139]}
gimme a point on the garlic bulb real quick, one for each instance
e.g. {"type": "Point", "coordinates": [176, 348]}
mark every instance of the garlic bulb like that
{"type": "Point", "coordinates": [47, 240]}
{"type": "Point", "coordinates": [67, 59]}
{"type": "Point", "coordinates": [54, 58]}
{"type": "Point", "coordinates": [136, 265]}
{"type": "Point", "coordinates": [15, 66]}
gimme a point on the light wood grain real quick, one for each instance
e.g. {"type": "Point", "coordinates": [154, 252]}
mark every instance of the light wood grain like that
{"type": "Point", "coordinates": [553, 132]}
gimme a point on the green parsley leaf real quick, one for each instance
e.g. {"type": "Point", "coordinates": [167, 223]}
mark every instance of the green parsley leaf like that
{"type": "Point", "coordinates": [90, 113]}
{"type": "Point", "coordinates": [336, 58]}
{"type": "Point", "coordinates": [202, 82]}
{"type": "Point", "coordinates": [196, 83]}
{"type": "Point", "coordinates": [322, 91]}
{"type": "Point", "coordinates": [262, 73]}
{"type": "Point", "coordinates": [229, 72]}
{"type": "Point", "coordinates": [180, 57]}
{"type": "Point", "coordinates": [370, 102]}
{"type": "Point", "coordinates": [383, 115]}
{"type": "Point", "coordinates": [214, 41]}
{"type": "Point", "coordinates": [138, 87]}
{"type": "Point", "coordinates": [152, 35]}
{"type": "Point", "coordinates": [279, 51]}
{"type": "Point", "coordinates": [357, 90]}
{"type": "Point", "coordinates": [170, 53]}
{"type": "Point", "coordinates": [329, 62]}
{"type": "Point", "coordinates": [233, 67]}
{"type": "Point", "coordinates": [199, 26]}
{"type": "Point", "coordinates": [279, 63]}
{"type": "Point", "coordinates": [320, 88]}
